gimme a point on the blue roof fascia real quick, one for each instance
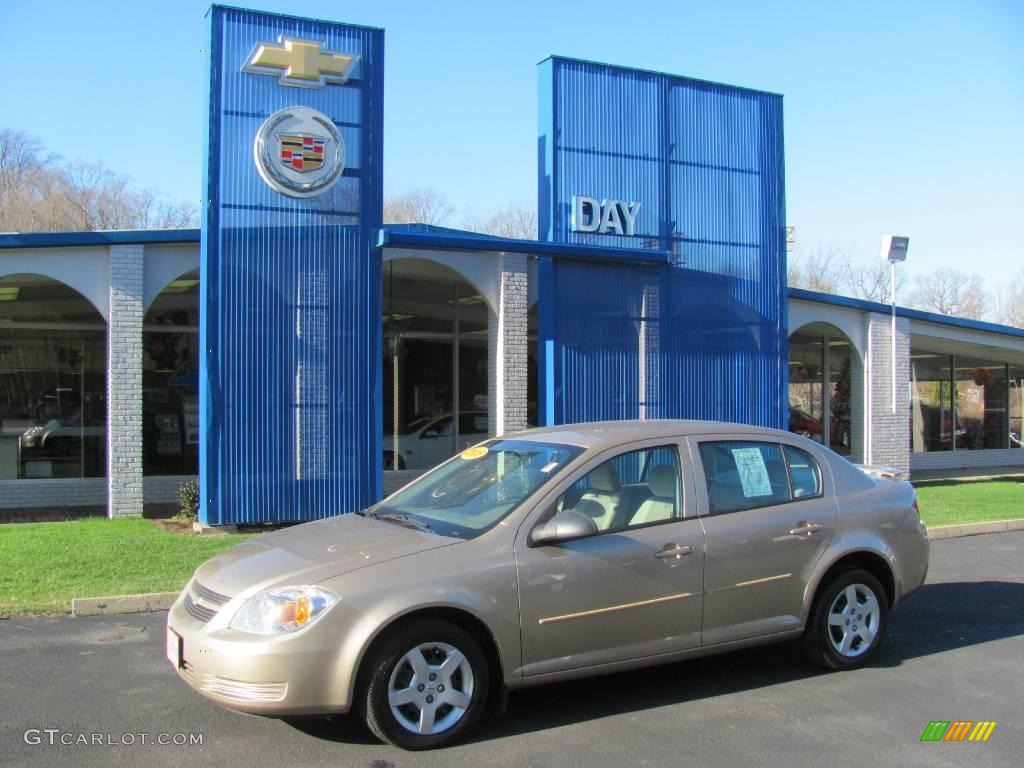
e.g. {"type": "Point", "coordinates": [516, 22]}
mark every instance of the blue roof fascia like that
{"type": "Point", "coordinates": [397, 238]}
{"type": "Point", "coordinates": [109, 237]}
{"type": "Point", "coordinates": [911, 314]}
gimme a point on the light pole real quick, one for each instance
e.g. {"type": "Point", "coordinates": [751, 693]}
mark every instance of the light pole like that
{"type": "Point", "coordinates": [894, 249]}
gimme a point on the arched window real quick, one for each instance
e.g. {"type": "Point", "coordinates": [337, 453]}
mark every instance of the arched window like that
{"type": "Point", "coordinates": [53, 381]}
{"type": "Point", "coordinates": [435, 366]}
{"type": "Point", "coordinates": [170, 378]}
{"type": "Point", "coordinates": [821, 386]}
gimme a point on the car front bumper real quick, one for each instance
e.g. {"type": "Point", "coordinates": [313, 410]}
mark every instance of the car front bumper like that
{"type": "Point", "coordinates": [292, 674]}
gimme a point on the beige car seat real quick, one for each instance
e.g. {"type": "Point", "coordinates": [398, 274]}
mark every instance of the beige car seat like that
{"type": "Point", "coordinates": [601, 501]}
{"type": "Point", "coordinates": [662, 505]}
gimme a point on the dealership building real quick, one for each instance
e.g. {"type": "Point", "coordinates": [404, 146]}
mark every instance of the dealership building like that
{"type": "Point", "coordinates": [302, 359]}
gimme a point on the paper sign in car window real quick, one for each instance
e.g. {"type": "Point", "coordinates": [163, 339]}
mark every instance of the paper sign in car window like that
{"type": "Point", "coordinates": [753, 472]}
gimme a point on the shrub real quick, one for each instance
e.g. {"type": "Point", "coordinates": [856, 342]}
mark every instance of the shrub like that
{"type": "Point", "coordinates": [188, 500]}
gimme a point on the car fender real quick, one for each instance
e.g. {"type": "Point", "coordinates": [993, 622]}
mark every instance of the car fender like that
{"type": "Point", "coordinates": [844, 544]}
{"type": "Point", "coordinates": [378, 612]}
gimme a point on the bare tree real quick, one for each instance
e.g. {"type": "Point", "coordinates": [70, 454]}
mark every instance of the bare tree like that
{"type": "Point", "coordinates": [517, 221]}
{"type": "Point", "coordinates": [20, 156]}
{"type": "Point", "coordinates": [869, 281]}
{"type": "Point", "coordinates": [832, 269]}
{"type": "Point", "coordinates": [951, 292]}
{"type": "Point", "coordinates": [418, 206]}
{"type": "Point", "coordinates": [816, 270]}
{"type": "Point", "coordinates": [38, 193]}
{"type": "Point", "coordinates": [1010, 301]}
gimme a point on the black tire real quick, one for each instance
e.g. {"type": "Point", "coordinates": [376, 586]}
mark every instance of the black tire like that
{"type": "Point", "coordinates": [389, 461]}
{"type": "Point", "coordinates": [388, 660]}
{"type": "Point", "coordinates": [823, 642]}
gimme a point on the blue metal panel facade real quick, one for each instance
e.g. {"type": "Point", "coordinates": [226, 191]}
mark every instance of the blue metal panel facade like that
{"type": "Point", "coordinates": [290, 290]}
{"type": "Point", "coordinates": [705, 336]}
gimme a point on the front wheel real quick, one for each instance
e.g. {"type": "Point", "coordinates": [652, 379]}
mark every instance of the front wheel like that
{"type": "Point", "coordinates": [391, 461]}
{"type": "Point", "coordinates": [427, 685]}
{"type": "Point", "coordinates": [847, 622]}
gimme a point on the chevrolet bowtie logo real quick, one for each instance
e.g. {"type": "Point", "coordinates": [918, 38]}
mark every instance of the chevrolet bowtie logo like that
{"type": "Point", "coordinates": [302, 63]}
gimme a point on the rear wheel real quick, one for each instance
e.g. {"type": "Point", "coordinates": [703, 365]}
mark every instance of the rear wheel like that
{"type": "Point", "coordinates": [427, 685]}
{"type": "Point", "coordinates": [847, 622]}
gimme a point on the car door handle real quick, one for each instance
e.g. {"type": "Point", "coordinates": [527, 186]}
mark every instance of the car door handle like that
{"type": "Point", "coordinates": [807, 528]}
{"type": "Point", "coordinates": [674, 551]}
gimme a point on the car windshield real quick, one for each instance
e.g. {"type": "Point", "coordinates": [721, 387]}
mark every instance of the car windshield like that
{"type": "Point", "coordinates": [477, 488]}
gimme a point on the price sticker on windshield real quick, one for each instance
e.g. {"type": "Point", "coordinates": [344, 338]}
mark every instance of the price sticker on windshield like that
{"type": "Point", "coordinates": [474, 453]}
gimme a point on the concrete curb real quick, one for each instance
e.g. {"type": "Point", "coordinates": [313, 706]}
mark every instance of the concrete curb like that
{"type": "Point", "coordinates": [105, 606]}
{"type": "Point", "coordinates": [974, 529]}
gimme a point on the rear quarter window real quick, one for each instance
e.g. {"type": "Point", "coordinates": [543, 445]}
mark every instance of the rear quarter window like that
{"type": "Point", "coordinates": [804, 473]}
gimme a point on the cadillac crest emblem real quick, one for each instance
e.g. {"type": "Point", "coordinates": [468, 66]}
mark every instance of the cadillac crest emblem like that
{"type": "Point", "coordinates": [299, 152]}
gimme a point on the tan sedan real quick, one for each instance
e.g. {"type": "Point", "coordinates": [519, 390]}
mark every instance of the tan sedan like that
{"type": "Point", "coordinates": [551, 554]}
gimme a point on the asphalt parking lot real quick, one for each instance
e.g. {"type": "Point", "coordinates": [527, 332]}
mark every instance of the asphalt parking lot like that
{"type": "Point", "coordinates": [955, 651]}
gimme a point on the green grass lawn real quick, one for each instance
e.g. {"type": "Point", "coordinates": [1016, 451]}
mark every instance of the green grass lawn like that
{"type": "Point", "coordinates": [951, 502]}
{"type": "Point", "coordinates": [44, 565]}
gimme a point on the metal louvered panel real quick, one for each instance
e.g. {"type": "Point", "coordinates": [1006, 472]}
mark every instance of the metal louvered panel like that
{"type": "Point", "coordinates": [704, 337]}
{"type": "Point", "coordinates": [290, 291]}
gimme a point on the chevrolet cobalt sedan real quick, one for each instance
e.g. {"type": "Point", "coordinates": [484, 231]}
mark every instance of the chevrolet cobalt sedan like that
{"type": "Point", "coordinates": [551, 554]}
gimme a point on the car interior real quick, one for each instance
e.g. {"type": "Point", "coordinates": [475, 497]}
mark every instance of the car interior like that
{"type": "Point", "coordinates": [614, 505]}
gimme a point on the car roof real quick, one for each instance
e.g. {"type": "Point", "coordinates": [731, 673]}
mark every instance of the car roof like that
{"type": "Point", "coordinates": [608, 434]}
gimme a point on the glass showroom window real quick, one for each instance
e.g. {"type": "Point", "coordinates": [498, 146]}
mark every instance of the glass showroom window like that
{"type": "Point", "coordinates": [820, 367]}
{"type": "Point", "coordinates": [963, 403]}
{"type": "Point", "coordinates": [170, 374]}
{"type": "Point", "coordinates": [932, 402]}
{"type": "Point", "coordinates": [1016, 402]}
{"type": "Point", "coordinates": [435, 364]}
{"type": "Point", "coordinates": [53, 381]}
{"type": "Point", "coordinates": [980, 403]}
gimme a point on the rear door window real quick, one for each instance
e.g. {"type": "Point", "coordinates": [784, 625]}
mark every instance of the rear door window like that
{"type": "Point", "coordinates": [744, 475]}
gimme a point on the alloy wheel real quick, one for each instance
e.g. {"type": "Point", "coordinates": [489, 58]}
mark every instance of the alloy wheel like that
{"type": "Point", "coordinates": [430, 688]}
{"type": "Point", "coordinates": [853, 620]}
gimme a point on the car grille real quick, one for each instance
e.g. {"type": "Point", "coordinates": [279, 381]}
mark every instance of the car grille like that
{"type": "Point", "coordinates": [203, 603]}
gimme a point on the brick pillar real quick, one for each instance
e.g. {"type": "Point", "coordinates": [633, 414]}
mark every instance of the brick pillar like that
{"type": "Point", "coordinates": [888, 435]}
{"type": "Point", "coordinates": [507, 349]}
{"type": "Point", "coordinates": [124, 382]}
{"type": "Point", "coordinates": [858, 408]}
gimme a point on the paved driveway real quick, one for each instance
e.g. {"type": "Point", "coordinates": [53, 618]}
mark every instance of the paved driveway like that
{"type": "Point", "coordinates": [955, 652]}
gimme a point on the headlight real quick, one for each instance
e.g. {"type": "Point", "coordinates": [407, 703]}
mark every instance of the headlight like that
{"type": "Point", "coordinates": [283, 609]}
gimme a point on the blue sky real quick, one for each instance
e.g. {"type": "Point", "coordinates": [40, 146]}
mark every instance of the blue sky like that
{"type": "Point", "coordinates": [902, 116]}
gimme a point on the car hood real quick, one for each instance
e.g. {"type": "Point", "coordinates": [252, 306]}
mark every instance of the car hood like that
{"type": "Point", "coordinates": [312, 553]}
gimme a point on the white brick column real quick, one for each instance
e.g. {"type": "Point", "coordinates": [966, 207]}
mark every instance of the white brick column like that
{"type": "Point", "coordinates": [887, 434]}
{"type": "Point", "coordinates": [124, 382]}
{"type": "Point", "coordinates": [858, 409]}
{"type": "Point", "coordinates": [507, 349]}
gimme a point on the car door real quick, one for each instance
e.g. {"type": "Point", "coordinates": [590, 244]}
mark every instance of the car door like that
{"type": "Point", "coordinates": [768, 512]}
{"type": "Point", "coordinates": [631, 589]}
{"type": "Point", "coordinates": [434, 444]}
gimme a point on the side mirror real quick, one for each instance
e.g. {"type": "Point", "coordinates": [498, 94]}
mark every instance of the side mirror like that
{"type": "Point", "coordinates": [565, 526]}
